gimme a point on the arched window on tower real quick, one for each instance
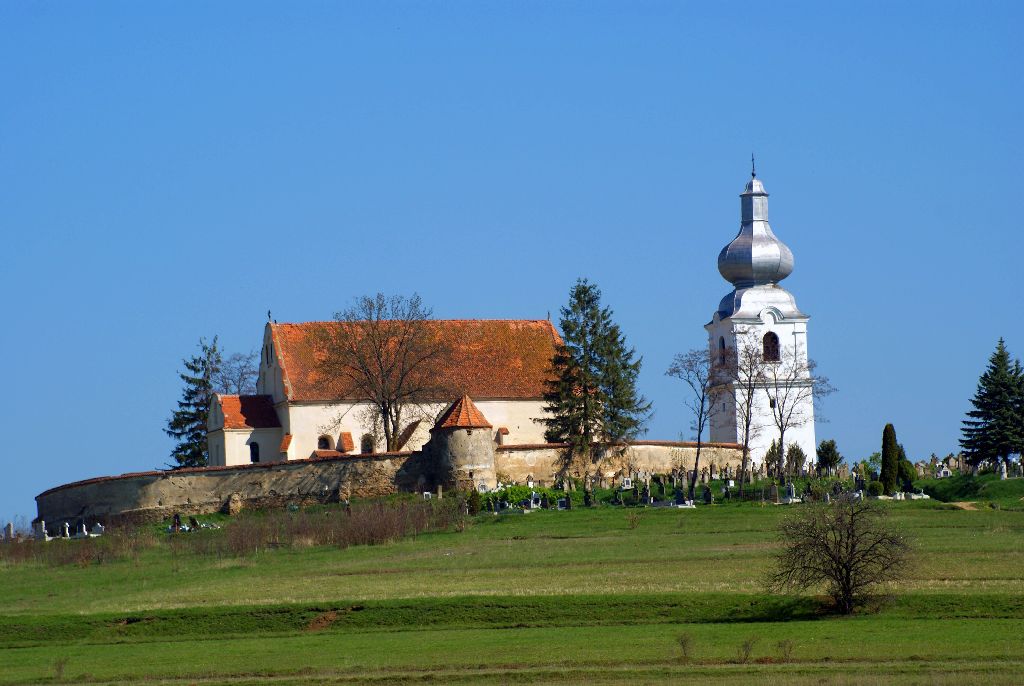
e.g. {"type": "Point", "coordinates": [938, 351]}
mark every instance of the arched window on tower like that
{"type": "Point", "coordinates": [770, 351]}
{"type": "Point", "coordinates": [323, 443]}
{"type": "Point", "coordinates": [254, 452]}
{"type": "Point", "coordinates": [721, 351]}
{"type": "Point", "coordinates": [367, 444]}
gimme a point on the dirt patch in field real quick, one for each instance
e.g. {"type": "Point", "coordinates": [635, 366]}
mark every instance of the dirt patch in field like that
{"type": "Point", "coordinates": [322, 621]}
{"type": "Point", "coordinates": [965, 505]}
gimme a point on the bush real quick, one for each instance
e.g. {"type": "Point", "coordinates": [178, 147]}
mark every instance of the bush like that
{"type": "Point", "coordinates": [875, 488]}
{"type": "Point", "coordinates": [473, 503]}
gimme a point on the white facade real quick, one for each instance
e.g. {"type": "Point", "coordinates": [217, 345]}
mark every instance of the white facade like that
{"type": "Point", "coordinates": [760, 318]}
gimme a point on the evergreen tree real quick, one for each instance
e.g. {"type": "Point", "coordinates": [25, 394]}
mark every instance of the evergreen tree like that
{"type": "Point", "coordinates": [828, 456]}
{"type": "Point", "coordinates": [890, 459]}
{"type": "Point", "coordinates": [995, 427]}
{"type": "Point", "coordinates": [795, 459]}
{"type": "Point", "coordinates": [188, 423]}
{"type": "Point", "coordinates": [771, 458]}
{"type": "Point", "coordinates": [592, 397]}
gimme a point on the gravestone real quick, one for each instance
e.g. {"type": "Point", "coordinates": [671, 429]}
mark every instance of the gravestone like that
{"type": "Point", "coordinates": [65, 531]}
{"type": "Point", "coordinates": [82, 531]}
{"type": "Point", "coordinates": [708, 498]}
{"type": "Point", "coordinates": [828, 498]}
{"type": "Point", "coordinates": [39, 528]}
{"type": "Point", "coordinates": [679, 497]}
{"type": "Point", "coordinates": [773, 493]}
{"type": "Point", "coordinates": [1002, 473]}
{"type": "Point", "coordinates": [790, 490]}
{"type": "Point", "coordinates": [98, 529]}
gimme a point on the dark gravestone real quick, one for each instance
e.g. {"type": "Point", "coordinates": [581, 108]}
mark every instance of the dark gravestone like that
{"type": "Point", "coordinates": [708, 498]}
{"type": "Point", "coordinates": [680, 498]}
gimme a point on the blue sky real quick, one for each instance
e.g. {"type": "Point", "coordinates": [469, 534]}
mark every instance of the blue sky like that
{"type": "Point", "coordinates": [172, 170]}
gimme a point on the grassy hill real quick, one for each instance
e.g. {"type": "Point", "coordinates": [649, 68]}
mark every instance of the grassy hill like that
{"type": "Point", "coordinates": [584, 595]}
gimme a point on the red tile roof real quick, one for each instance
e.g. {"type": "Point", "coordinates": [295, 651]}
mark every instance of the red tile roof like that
{"type": "Point", "coordinates": [285, 442]}
{"type": "Point", "coordinates": [462, 414]}
{"type": "Point", "coordinates": [490, 358]}
{"type": "Point", "coordinates": [345, 442]}
{"type": "Point", "coordinates": [249, 412]}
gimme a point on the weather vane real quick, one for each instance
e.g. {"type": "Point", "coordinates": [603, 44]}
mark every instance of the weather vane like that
{"type": "Point", "coordinates": [753, 169]}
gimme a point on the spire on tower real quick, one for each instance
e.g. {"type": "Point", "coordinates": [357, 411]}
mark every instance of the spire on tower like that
{"type": "Point", "coordinates": [753, 169]}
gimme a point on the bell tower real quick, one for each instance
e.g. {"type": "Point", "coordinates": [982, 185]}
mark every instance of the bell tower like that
{"type": "Point", "coordinates": [759, 329]}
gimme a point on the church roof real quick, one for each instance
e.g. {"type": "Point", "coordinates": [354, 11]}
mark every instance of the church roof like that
{"type": "Point", "coordinates": [489, 358]}
{"type": "Point", "coordinates": [248, 412]}
{"type": "Point", "coordinates": [462, 414]}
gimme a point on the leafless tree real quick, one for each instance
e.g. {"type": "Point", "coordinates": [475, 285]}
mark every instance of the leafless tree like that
{"type": "Point", "coordinates": [792, 383]}
{"type": "Point", "coordinates": [391, 357]}
{"type": "Point", "coordinates": [847, 544]}
{"type": "Point", "coordinates": [237, 374]}
{"type": "Point", "coordinates": [695, 368]}
{"type": "Point", "coordinates": [739, 375]}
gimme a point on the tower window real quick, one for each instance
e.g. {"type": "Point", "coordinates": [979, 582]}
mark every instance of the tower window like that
{"type": "Point", "coordinates": [770, 351]}
{"type": "Point", "coordinates": [721, 351]}
{"type": "Point", "coordinates": [323, 443]}
{"type": "Point", "coordinates": [254, 452]}
{"type": "Point", "coordinates": [367, 444]}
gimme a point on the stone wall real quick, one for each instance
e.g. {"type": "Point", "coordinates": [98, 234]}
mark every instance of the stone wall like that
{"type": "Point", "coordinates": [541, 461]}
{"type": "Point", "coordinates": [150, 496]}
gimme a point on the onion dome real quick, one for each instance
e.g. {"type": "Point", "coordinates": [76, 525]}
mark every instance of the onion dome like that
{"type": "Point", "coordinates": [755, 257]}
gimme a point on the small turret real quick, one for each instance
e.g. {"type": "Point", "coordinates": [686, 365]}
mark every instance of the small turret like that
{"type": "Point", "coordinates": [463, 448]}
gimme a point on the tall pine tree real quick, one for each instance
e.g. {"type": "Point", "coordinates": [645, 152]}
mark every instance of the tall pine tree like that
{"type": "Point", "coordinates": [188, 423]}
{"type": "Point", "coordinates": [592, 397]}
{"type": "Point", "coordinates": [890, 459]}
{"type": "Point", "coordinates": [994, 429]}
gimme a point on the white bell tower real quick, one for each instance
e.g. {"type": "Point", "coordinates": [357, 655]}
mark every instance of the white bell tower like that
{"type": "Point", "coordinates": [759, 317]}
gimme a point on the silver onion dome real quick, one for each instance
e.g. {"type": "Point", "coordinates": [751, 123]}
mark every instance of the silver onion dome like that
{"type": "Point", "coordinates": [755, 257]}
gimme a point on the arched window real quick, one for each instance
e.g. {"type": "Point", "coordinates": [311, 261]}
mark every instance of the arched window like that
{"type": "Point", "coordinates": [771, 347]}
{"type": "Point", "coordinates": [254, 452]}
{"type": "Point", "coordinates": [721, 351]}
{"type": "Point", "coordinates": [323, 443]}
{"type": "Point", "coordinates": [367, 444]}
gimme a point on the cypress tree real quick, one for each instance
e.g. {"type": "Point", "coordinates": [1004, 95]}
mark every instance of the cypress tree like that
{"type": "Point", "coordinates": [592, 396]}
{"type": "Point", "coordinates": [771, 458]}
{"type": "Point", "coordinates": [995, 427]}
{"type": "Point", "coordinates": [188, 423]}
{"type": "Point", "coordinates": [890, 459]}
{"type": "Point", "coordinates": [828, 456]}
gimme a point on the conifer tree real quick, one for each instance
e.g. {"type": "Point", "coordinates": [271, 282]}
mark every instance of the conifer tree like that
{"type": "Point", "coordinates": [795, 459]}
{"type": "Point", "coordinates": [771, 457]}
{"type": "Point", "coordinates": [890, 459]}
{"type": "Point", "coordinates": [188, 423]}
{"type": "Point", "coordinates": [593, 396]}
{"type": "Point", "coordinates": [828, 456]}
{"type": "Point", "coordinates": [995, 427]}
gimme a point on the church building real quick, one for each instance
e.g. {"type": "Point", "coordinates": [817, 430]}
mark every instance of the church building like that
{"type": "Point", "coordinates": [299, 412]}
{"type": "Point", "coordinates": [760, 317]}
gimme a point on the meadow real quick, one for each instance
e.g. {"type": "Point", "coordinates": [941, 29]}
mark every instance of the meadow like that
{"type": "Point", "coordinates": [597, 595]}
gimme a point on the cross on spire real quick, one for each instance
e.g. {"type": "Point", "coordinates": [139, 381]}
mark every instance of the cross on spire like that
{"type": "Point", "coordinates": [753, 169]}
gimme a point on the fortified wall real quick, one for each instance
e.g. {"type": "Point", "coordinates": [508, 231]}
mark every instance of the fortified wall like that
{"type": "Point", "coordinates": [155, 495]}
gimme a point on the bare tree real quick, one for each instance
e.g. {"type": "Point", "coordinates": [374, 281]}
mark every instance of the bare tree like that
{"type": "Point", "coordinates": [237, 374]}
{"type": "Point", "coordinates": [740, 374]}
{"type": "Point", "coordinates": [695, 368]}
{"type": "Point", "coordinates": [792, 384]}
{"type": "Point", "coordinates": [390, 355]}
{"type": "Point", "coordinates": [847, 545]}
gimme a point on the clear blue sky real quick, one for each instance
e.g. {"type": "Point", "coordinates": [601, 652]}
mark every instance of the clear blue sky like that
{"type": "Point", "coordinates": [171, 170]}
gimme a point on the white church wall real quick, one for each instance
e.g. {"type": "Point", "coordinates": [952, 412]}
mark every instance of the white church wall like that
{"type": "Point", "coordinates": [517, 416]}
{"type": "Point", "coordinates": [237, 441]}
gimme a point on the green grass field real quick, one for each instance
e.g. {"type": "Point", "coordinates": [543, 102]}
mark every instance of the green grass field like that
{"type": "Point", "coordinates": [565, 597]}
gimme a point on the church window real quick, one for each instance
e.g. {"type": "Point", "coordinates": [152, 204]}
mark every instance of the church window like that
{"type": "Point", "coordinates": [771, 347]}
{"type": "Point", "coordinates": [771, 402]}
{"type": "Point", "coordinates": [254, 452]}
{"type": "Point", "coordinates": [367, 444]}
{"type": "Point", "coordinates": [721, 351]}
{"type": "Point", "coordinates": [323, 443]}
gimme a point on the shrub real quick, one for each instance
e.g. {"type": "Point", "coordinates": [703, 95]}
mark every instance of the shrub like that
{"type": "Point", "coordinates": [746, 649]}
{"type": "Point", "coordinates": [685, 642]}
{"type": "Point", "coordinates": [473, 502]}
{"type": "Point", "coordinates": [875, 488]}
